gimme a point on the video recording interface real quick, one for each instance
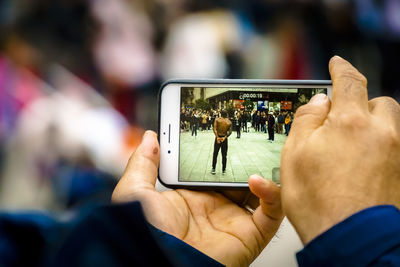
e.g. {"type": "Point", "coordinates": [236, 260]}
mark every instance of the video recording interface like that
{"type": "Point", "coordinates": [228, 134]}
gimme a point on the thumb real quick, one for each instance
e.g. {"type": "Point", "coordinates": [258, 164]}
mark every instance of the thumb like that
{"type": "Point", "coordinates": [142, 168]}
{"type": "Point", "coordinates": [310, 116]}
{"type": "Point", "coordinates": [268, 216]}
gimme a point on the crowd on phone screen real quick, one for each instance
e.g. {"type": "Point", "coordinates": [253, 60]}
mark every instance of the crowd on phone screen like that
{"type": "Point", "coordinates": [262, 121]}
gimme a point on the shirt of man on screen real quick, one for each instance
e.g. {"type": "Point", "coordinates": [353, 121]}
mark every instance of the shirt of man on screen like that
{"type": "Point", "coordinates": [238, 119]}
{"type": "Point", "coordinates": [222, 127]}
{"type": "Point", "coordinates": [271, 124]}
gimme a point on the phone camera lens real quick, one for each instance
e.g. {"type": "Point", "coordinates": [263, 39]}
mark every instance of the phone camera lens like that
{"type": "Point", "coordinates": [169, 151]}
{"type": "Point", "coordinates": [164, 133]}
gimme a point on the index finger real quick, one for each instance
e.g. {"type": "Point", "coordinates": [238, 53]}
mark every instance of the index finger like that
{"type": "Point", "coordinates": [349, 86]}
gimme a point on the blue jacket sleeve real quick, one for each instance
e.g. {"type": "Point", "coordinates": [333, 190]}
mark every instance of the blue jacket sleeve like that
{"type": "Point", "coordinates": [370, 237]}
{"type": "Point", "coordinates": [115, 235]}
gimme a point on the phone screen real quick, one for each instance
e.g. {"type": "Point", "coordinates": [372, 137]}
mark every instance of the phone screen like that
{"type": "Point", "coordinates": [228, 134]}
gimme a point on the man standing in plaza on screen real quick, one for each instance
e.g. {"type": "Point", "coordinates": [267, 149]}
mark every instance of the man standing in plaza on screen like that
{"type": "Point", "coordinates": [222, 130]}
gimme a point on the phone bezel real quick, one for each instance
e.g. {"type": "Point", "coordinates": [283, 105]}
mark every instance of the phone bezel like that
{"type": "Point", "coordinates": [169, 162]}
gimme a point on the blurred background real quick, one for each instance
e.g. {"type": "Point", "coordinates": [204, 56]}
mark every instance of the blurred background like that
{"type": "Point", "coordinates": [79, 78]}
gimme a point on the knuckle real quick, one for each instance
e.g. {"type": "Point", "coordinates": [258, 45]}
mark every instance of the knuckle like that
{"type": "Point", "coordinates": [391, 136]}
{"type": "Point", "coordinates": [308, 109]}
{"type": "Point", "coordinates": [386, 99]}
{"type": "Point", "coordinates": [301, 111]}
{"type": "Point", "coordinates": [388, 109]}
{"type": "Point", "coordinates": [354, 119]}
{"type": "Point", "coordinates": [391, 103]}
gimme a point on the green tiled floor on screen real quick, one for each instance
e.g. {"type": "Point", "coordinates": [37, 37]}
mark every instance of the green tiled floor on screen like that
{"type": "Point", "coordinates": [250, 154]}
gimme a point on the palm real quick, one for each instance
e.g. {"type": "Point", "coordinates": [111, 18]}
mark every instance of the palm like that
{"type": "Point", "coordinates": [206, 220]}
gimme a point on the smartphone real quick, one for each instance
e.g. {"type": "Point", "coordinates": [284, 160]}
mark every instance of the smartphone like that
{"type": "Point", "coordinates": [216, 133]}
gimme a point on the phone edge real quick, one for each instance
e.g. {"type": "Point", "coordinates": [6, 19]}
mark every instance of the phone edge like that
{"type": "Point", "coordinates": [222, 81]}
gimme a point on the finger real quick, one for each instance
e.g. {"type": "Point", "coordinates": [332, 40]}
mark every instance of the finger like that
{"type": "Point", "coordinates": [387, 109]}
{"type": "Point", "coordinates": [269, 215]}
{"type": "Point", "coordinates": [269, 194]}
{"type": "Point", "coordinates": [349, 86]}
{"type": "Point", "coordinates": [310, 116]}
{"type": "Point", "coordinates": [141, 171]}
{"type": "Point", "coordinates": [142, 167]}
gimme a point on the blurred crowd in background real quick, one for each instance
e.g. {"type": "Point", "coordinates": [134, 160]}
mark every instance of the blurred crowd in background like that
{"type": "Point", "coordinates": [79, 78]}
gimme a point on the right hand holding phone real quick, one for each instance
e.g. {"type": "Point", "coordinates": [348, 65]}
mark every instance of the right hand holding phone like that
{"type": "Point", "coordinates": [341, 156]}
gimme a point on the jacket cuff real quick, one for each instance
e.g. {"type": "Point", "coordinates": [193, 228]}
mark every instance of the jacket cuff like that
{"type": "Point", "coordinates": [179, 252]}
{"type": "Point", "coordinates": [356, 241]}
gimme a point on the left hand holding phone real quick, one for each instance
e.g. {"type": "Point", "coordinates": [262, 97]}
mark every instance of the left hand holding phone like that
{"type": "Point", "coordinates": [209, 221]}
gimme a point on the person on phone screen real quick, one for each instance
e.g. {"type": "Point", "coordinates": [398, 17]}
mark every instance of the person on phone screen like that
{"type": "Point", "coordinates": [271, 126]}
{"type": "Point", "coordinates": [238, 123]}
{"type": "Point", "coordinates": [195, 122]}
{"type": "Point", "coordinates": [288, 120]}
{"type": "Point", "coordinates": [222, 130]}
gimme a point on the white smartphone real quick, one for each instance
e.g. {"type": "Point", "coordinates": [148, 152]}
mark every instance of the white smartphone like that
{"type": "Point", "coordinates": [216, 133]}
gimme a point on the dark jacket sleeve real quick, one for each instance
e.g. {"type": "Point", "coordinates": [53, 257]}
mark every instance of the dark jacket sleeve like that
{"type": "Point", "coordinates": [368, 238]}
{"type": "Point", "coordinates": [115, 235]}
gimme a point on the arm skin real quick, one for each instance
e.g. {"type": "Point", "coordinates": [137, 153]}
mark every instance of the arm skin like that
{"type": "Point", "coordinates": [228, 133]}
{"type": "Point", "coordinates": [219, 139]}
{"type": "Point", "coordinates": [229, 130]}
{"type": "Point", "coordinates": [215, 128]}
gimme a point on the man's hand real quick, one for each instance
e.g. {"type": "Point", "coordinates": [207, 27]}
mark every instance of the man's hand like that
{"type": "Point", "coordinates": [340, 157]}
{"type": "Point", "coordinates": [220, 139]}
{"type": "Point", "coordinates": [208, 221]}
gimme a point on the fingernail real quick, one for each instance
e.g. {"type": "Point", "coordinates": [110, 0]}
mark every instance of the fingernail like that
{"type": "Point", "coordinates": [261, 179]}
{"type": "Point", "coordinates": [266, 182]}
{"type": "Point", "coordinates": [148, 133]}
{"type": "Point", "coordinates": [319, 99]}
{"type": "Point", "coordinates": [256, 176]}
{"type": "Point", "coordinates": [148, 137]}
{"type": "Point", "coordinates": [148, 143]}
{"type": "Point", "coordinates": [334, 58]}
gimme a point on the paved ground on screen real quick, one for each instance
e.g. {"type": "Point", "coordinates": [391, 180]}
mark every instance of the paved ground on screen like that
{"type": "Point", "coordinates": [250, 154]}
